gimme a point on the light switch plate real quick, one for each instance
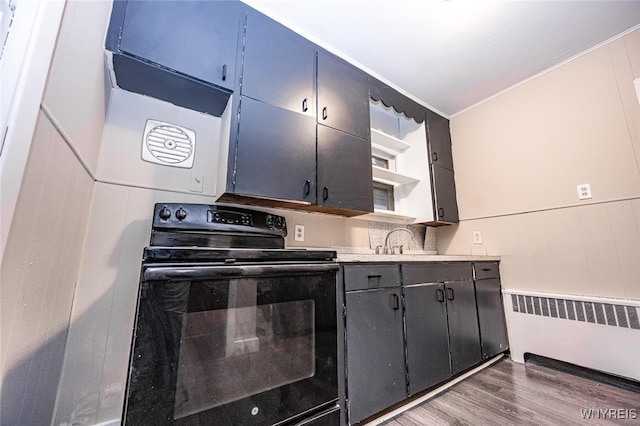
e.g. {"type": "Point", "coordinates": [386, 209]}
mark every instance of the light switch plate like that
{"type": "Point", "coordinates": [197, 183]}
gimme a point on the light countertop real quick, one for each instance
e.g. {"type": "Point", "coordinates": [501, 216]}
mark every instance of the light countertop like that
{"type": "Point", "coordinates": [412, 257]}
{"type": "Point", "coordinates": [355, 254]}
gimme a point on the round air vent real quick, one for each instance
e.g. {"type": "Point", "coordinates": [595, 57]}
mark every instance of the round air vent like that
{"type": "Point", "coordinates": [168, 144]}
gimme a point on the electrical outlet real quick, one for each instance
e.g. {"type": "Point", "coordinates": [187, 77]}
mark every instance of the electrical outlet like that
{"type": "Point", "coordinates": [477, 237]}
{"type": "Point", "coordinates": [584, 191]}
{"type": "Point", "coordinates": [298, 234]}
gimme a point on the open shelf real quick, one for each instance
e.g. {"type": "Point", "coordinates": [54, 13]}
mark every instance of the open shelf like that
{"type": "Point", "coordinates": [402, 142]}
{"type": "Point", "coordinates": [389, 142]}
{"type": "Point", "coordinates": [390, 177]}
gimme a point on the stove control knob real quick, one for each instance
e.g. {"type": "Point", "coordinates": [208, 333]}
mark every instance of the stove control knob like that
{"type": "Point", "coordinates": [165, 213]}
{"type": "Point", "coordinates": [270, 221]}
{"type": "Point", "coordinates": [181, 214]}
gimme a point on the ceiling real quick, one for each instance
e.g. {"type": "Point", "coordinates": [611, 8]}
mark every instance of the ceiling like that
{"type": "Point", "coordinates": [450, 55]}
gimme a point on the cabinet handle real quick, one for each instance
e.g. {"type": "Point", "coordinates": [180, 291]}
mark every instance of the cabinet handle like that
{"type": "Point", "coordinates": [440, 295]}
{"type": "Point", "coordinates": [324, 113]}
{"type": "Point", "coordinates": [395, 302]}
{"type": "Point", "coordinates": [224, 72]}
{"type": "Point", "coordinates": [449, 293]}
{"type": "Point", "coordinates": [440, 212]}
{"type": "Point", "coordinates": [304, 105]}
{"type": "Point", "coordinates": [307, 187]}
{"type": "Point", "coordinates": [434, 156]}
{"type": "Point", "coordinates": [325, 193]}
{"type": "Point", "coordinates": [374, 276]}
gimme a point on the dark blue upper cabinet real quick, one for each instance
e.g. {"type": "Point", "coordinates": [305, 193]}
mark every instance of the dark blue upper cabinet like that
{"type": "Point", "coordinates": [279, 66]}
{"type": "Point", "coordinates": [439, 138]}
{"type": "Point", "coordinates": [181, 51]}
{"type": "Point", "coordinates": [343, 96]}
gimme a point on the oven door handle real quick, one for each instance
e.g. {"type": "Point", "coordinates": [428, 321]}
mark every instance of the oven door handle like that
{"type": "Point", "coordinates": [153, 273]}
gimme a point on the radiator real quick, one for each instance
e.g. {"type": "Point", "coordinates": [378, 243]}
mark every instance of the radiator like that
{"type": "Point", "coordinates": [597, 333]}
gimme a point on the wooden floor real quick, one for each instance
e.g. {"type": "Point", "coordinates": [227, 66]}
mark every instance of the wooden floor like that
{"type": "Point", "coordinates": [509, 393]}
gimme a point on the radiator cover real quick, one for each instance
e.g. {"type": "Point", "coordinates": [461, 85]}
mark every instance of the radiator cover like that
{"type": "Point", "coordinates": [598, 333]}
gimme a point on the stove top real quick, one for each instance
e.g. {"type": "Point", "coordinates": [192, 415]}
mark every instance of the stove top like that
{"type": "Point", "coordinates": [212, 233]}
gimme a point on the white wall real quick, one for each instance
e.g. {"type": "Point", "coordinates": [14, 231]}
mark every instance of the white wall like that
{"type": "Point", "coordinates": [46, 230]}
{"type": "Point", "coordinates": [518, 158]}
{"type": "Point", "coordinates": [39, 272]}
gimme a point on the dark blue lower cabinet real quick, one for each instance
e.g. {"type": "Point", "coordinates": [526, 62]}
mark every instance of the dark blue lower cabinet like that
{"type": "Point", "coordinates": [462, 319]}
{"type": "Point", "coordinates": [427, 336]}
{"type": "Point", "coordinates": [375, 351]}
{"type": "Point", "coordinates": [408, 333]}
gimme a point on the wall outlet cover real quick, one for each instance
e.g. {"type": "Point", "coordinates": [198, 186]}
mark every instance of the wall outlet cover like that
{"type": "Point", "coordinates": [477, 237]}
{"type": "Point", "coordinates": [168, 144]}
{"type": "Point", "coordinates": [584, 191]}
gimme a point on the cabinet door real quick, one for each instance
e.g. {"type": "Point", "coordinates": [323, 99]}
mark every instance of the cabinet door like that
{"type": "Point", "coordinates": [427, 336]}
{"type": "Point", "coordinates": [343, 96]}
{"type": "Point", "coordinates": [196, 38]}
{"type": "Point", "coordinates": [344, 171]}
{"type": "Point", "coordinates": [439, 138]}
{"type": "Point", "coordinates": [493, 334]}
{"type": "Point", "coordinates": [276, 153]}
{"type": "Point", "coordinates": [445, 202]}
{"type": "Point", "coordinates": [375, 351]}
{"type": "Point", "coordinates": [279, 66]}
{"type": "Point", "coordinates": [464, 337]}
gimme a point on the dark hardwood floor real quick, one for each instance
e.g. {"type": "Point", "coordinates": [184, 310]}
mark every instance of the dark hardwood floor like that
{"type": "Point", "coordinates": [509, 393]}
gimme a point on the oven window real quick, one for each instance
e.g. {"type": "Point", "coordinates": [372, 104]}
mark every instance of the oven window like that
{"type": "Point", "coordinates": [243, 349]}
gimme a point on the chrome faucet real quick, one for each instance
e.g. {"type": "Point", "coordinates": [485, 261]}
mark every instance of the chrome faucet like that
{"type": "Point", "coordinates": [386, 240]}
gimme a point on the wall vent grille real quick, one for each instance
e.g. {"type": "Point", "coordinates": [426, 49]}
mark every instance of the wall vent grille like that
{"type": "Point", "coordinates": [577, 310]}
{"type": "Point", "coordinates": [168, 144]}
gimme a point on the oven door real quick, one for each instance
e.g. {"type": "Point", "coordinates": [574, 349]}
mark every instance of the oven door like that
{"type": "Point", "coordinates": [233, 345]}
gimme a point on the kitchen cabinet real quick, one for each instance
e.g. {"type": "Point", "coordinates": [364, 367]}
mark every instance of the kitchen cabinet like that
{"type": "Point", "coordinates": [267, 163]}
{"type": "Point", "coordinates": [427, 336]}
{"type": "Point", "coordinates": [344, 171]}
{"type": "Point", "coordinates": [279, 67]}
{"type": "Point", "coordinates": [445, 205]}
{"type": "Point", "coordinates": [375, 362]}
{"type": "Point", "coordinates": [439, 138]}
{"type": "Point", "coordinates": [273, 134]}
{"type": "Point", "coordinates": [343, 96]}
{"type": "Point", "coordinates": [414, 325]}
{"type": "Point", "coordinates": [441, 322]}
{"type": "Point", "coordinates": [493, 333]}
{"type": "Point", "coordinates": [182, 52]}
{"type": "Point", "coordinates": [464, 337]}
{"type": "Point", "coordinates": [278, 154]}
